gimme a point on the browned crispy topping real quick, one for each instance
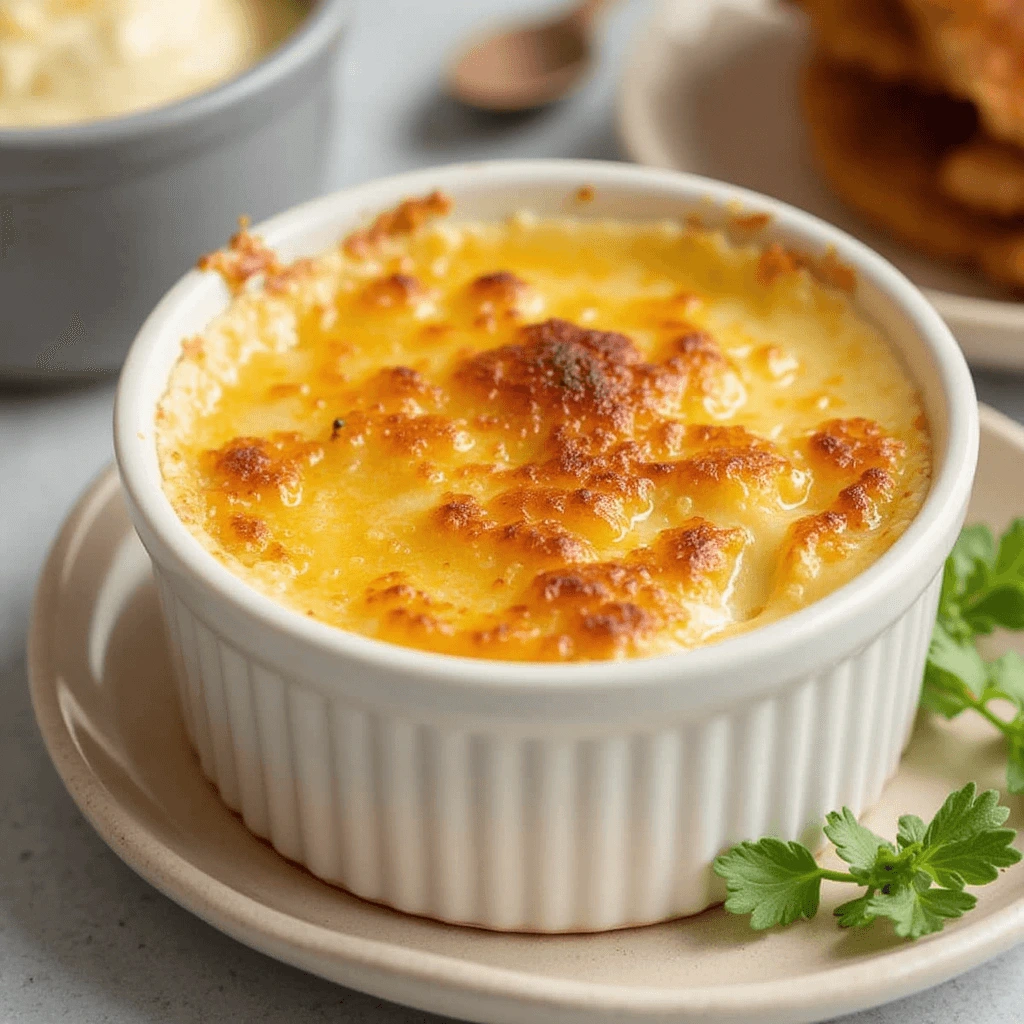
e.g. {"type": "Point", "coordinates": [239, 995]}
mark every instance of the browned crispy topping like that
{"type": "Point", "coordinates": [599, 580]}
{"type": "Point", "coordinates": [400, 389]}
{"type": "Point", "coordinates": [556, 364]}
{"type": "Point", "coordinates": [501, 286]}
{"type": "Point", "coordinates": [824, 535]}
{"type": "Point", "coordinates": [831, 270]}
{"type": "Point", "coordinates": [697, 550]}
{"type": "Point", "coordinates": [559, 371]}
{"type": "Point", "coordinates": [395, 290]}
{"type": "Point", "coordinates": [750, 221]}
{"type": "Point", "coordinates": [252, 530]}
{"type": "Point", "coordinates": [546, 540]}
{"type": "Point", "coordinates": [464, 515]}
{"type": "Point", "coordinates": [192, 348]}
{"type": "Point", "coordinates": [288, 278]}
{"type": "Point", "coordinates": [248, 460]}
{"type": "Point", "coordinates": [754, 465]}
{"type": "Point", "coordinates": [776, 261]}
{"type": "Point", "coordinates": [251, 464]}
{"type": "Point", "coordinates": [619, 623]}
{"type": "Point", "coordinates": [610, 607]}
{"type": "Point", "coordinates": [850, 445]}
{"type": "Point", "coordinates": [404, 219]}
{"type": "Point", "coordinates": [246, 256]}
{"type": "Point", "coordinates": [584, 506]}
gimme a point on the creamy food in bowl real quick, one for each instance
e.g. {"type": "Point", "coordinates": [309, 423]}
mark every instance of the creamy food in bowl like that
{"type": "Point", "coordinates": [126, 120]}
{"type": "Point", "coordinates": [539, 438]}
{"type": "Point", "coordinates": [72, 61]}
{"type": "Point", "coordinates": [716, 468]}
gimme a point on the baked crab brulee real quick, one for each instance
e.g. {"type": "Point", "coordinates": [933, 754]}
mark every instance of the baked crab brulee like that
{"type": "Point", "coordinates": [541, 439]}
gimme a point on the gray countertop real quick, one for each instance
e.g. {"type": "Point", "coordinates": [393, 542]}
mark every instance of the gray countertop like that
{"type": "Point", "coordinates": [81, 937]}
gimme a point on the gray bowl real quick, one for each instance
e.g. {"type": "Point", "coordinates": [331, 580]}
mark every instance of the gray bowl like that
{"type": "Point", "coordinates": [97, 220]}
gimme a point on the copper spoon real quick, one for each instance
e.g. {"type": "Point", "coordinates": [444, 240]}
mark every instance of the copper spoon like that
{"type": "Point", "coordinates": [529, 66]}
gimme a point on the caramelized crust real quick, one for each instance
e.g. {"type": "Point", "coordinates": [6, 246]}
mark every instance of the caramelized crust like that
{"type": "Point", "coordinates": [557, 368]}
{"type": "Point", "coordinates": [254, 463]}
{"type": "Point", "coordinates": [404, 219]}
{"type": "Point", "coordinates": [542, 441]}
{"type": "Point", "coordinates": [500, 287]}
{"type": "Point", "coordinates": [246, 256]}
{"type": "Point", "coordinates": [560, 372]}
{"type": "Point", "coordinates": [830, 535]}
{"type": "Point", "coordinates": [777, 261]}
{"type": "Point", "coordinates": [398, 290]}
{"type": "Point", "coordinates": [848, 446]}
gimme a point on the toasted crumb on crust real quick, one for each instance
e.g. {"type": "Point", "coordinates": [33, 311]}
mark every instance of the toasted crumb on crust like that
{"type": "Point", "coordinates": [851, 445]}
{"type": "Point", "coordinates": [404, 219]}
{"type": "Point", "coordinates": [750, 221]}
{"type": "Point", "coordinates": [246, 256]}
{"type": "Point", "coordinates": [778, 261]}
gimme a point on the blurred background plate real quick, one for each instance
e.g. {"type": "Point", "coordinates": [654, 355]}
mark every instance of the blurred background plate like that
{"type": "Point", "coordinates": [712, 88]}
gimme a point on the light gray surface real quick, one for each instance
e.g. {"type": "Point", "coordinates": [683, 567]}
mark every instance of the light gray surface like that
{"type": "Point", "coordinates": [82, 939]}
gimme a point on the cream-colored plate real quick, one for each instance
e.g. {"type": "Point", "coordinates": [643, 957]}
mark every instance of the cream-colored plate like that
{"type": "Point", "coordinates": [711, 87]}
{"type": "Point", "coordinates": [105, 704]}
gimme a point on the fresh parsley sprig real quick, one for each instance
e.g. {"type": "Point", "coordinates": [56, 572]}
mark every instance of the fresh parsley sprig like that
{"type": "Point", "coordinates": [918, 883]}
{"type": "Point", "coordinates": [982, 588]}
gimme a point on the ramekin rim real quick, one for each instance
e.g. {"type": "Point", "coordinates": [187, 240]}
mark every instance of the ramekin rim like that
{"type": "Point", "coordinates": [950, 488]}
{"type": "Point", "coordinates": [316, 30]}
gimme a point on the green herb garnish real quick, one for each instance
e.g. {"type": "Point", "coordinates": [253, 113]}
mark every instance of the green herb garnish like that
{"type": "Point", "coordinates": [917, 884]}
{"type": "Point", "coordinates": [982, 588]}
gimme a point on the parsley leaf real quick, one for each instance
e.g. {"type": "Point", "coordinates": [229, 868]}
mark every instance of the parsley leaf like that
{"type": "Point", "coordinates": [975, 546]}
{"type": "Point", "coordinates": [911, 830]}
{"type": "Point", "coordinates": [965, 813]}
{"type": "Point", "coordinates": [982, 589]}
{"type": "Point", "coordinates": [914, 912]}
{"type": "Point", "coordinates": [917, 884]}
{"type": "Point", "coordinates": [965, 843]}
{"type": "Point", "coordinates": [773, 881]}
{"type": "Point", "coordinates": [857, 845]}
{"type": "Point", "coordinates": [990, 586]}
{"type": "Point", "coordinates": [856, 913]}
{"type": "Point", "coordinates": [998, 606]}
{"type": "Point", "coordinates": [954, 676]}
{"type": "Point", "coordinates": [1015, 760]}
{"type": "Point", "coordinates": [1006, 679]}
{"type": "Point", "coordinates": [1010, 556]}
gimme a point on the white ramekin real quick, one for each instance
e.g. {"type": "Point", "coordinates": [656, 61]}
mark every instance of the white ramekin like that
{"type": "Point", "coordinates": [547, 797]}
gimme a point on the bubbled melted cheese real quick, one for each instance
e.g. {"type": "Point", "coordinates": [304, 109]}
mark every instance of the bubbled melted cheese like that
{"type": "Point", "coordinates": [540, 440]}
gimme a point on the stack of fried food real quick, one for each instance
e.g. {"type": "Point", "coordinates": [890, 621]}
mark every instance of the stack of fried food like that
{"type": "Point", "coordinates": [916, 115]}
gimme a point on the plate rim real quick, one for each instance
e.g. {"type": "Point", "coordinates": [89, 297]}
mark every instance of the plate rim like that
{"type": "Point", "coordinates": [640, 140]}
{"type": "Point", "coordinates": [446, 984]}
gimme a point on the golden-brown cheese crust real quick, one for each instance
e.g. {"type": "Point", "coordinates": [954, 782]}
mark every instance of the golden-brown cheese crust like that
{"type": "Point", "coordinates": [246, 256]}
{"type": "Point", "coordinates": [447, 441]}
{"type": "Point", "coordinates": [404, 219]}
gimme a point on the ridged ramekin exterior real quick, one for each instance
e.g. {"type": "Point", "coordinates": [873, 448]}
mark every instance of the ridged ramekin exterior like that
{"type": "Point", "coordinates": [527, 827]}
